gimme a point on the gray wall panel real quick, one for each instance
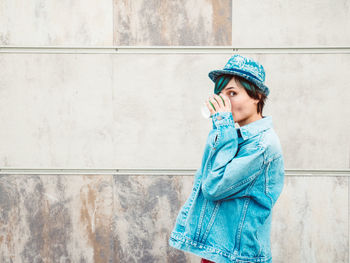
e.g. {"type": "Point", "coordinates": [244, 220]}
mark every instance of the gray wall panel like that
{"type": "Point", "coordinates": [298, 23]}
{"type": "Point", "coordinates": [145, 210]}
{"type": "Point", "coordinates": [174, 23]}
{"type": "Point", "coordinates": [56, 109]}
{"type": "Point", "coordinates": [310, 221]}
{"type": "Point", "coordinates": [49, 218]}
{"type": "Point", "coordinates": [72, 23]}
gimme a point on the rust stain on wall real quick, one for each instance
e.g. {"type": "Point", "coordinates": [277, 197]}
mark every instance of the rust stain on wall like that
{"type": "Point", "coordinates": [222, 21]}
{"type": "Point", "coordinates": [94, 216]}
{"type": "Point", "coordinates": [185, 22]}
{"type": "Point", "coordinates": [49, 224]}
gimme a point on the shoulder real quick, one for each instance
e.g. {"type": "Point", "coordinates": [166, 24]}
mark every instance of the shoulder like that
{"type": "Point", "coordinates": [270, 143]}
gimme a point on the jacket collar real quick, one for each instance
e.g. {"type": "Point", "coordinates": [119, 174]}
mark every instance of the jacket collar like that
{"type": "Point", "coordinates": [251, 129]}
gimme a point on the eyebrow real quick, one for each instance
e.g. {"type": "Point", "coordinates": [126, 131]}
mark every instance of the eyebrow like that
{"type": "Point", "coordinates": [230, 88]}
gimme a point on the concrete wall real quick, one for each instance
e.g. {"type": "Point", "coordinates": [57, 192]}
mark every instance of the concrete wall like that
{"type": "Point", "coordinates": [89, 89]}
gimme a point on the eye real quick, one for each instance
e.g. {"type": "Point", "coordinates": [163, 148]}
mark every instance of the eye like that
{"type": "Point", "coordinates": [232, 92]}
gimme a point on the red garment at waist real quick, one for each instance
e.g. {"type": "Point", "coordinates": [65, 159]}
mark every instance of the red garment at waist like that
{"type": "Point", "coordinates": [206, 261]}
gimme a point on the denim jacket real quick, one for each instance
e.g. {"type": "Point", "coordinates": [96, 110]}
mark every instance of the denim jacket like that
{"type": "Point", "coordinates": [227, 217]}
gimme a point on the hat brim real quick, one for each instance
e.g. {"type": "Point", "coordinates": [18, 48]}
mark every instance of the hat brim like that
{"type": "Point", "coordinates": [214, 74]}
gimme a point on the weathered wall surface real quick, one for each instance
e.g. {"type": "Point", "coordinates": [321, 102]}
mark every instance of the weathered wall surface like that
{"type": "Point", "coordinates": [100, 108]}
{"type": "Point", "coordinates": [127, 218]}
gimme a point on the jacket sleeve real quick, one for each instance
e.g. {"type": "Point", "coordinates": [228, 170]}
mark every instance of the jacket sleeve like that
{"type": "Point", "coordinates": [275, 178]}
{"type": "Point", "coordinates": [226, 173]}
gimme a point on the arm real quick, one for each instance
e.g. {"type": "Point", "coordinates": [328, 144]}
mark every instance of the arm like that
{"type": "Point", "coordinates": [275, 178]}
{"type": "Point", "coordinates": [225, 174]}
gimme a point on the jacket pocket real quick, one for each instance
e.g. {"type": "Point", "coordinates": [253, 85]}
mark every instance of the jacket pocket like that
{"type": "Point", "coordinates": [259, 244]}
{"type": "Point", "coordinates": [209, 224]}
{"type": "Point", "coordinates": [204, 219]}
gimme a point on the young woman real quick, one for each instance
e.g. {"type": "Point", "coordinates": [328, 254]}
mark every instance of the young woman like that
{"type": "Point", "coordinates": [227, 217]}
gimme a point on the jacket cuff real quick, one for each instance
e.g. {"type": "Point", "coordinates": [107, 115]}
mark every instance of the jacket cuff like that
{"type": "Point", "coordinates": [222, 118]}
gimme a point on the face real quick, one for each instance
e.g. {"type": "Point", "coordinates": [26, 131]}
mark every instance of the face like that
{"type": "Point", "coordinates": [243, 107]}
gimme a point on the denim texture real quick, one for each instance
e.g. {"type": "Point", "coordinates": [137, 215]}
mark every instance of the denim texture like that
{"type": "Point", "coordinates": [227, 217]}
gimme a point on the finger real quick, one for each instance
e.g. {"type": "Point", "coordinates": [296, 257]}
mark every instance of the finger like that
{"type": "Point", "coordinates": [223, 101]}
{"type": "Point", "coordinates": [215, 103]}
{"type": "Point", "coordinates": [209, 107]}
{"type": "Point", "coordinates": [227, 102]}
{"type": "Point", "coordinates": [219, 100]}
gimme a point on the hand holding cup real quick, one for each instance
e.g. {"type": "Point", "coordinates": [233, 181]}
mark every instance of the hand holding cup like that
{"type": "Point", "coordinates": [219, 103]}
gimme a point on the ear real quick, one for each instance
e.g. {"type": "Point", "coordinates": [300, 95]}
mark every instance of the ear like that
{"type": "Point", "coordinates": [257, 100]}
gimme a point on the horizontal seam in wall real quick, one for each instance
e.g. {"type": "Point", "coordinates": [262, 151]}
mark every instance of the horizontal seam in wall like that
{"type": "Point", "coordinates": [159, 172]}
{"type": "Point", "coordinates": [173, 49]}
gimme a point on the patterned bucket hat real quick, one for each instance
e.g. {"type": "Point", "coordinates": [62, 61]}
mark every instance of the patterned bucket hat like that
{"type": "Point", "coordinates": [245, 67]}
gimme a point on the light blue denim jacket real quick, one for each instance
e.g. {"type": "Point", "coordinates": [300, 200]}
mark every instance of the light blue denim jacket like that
{"type": "Point", "coordinates": [227, 217]}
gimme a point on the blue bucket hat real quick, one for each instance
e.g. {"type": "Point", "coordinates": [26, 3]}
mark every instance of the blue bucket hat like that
{"type": "Point", "coordinates": [245, 67]}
